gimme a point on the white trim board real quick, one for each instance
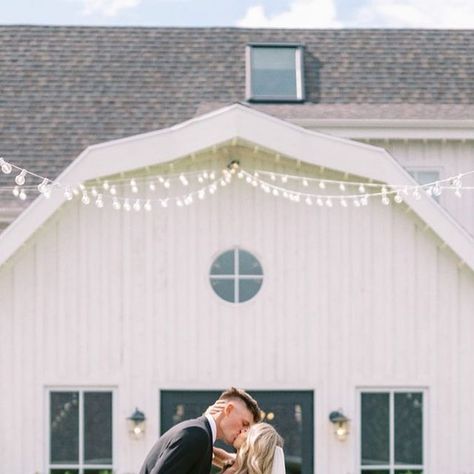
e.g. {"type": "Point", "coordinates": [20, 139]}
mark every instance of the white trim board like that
{"type": "Point", "coordinates": [223, 125]}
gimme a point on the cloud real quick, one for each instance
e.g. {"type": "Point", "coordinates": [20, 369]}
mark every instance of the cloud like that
{"type": "Point", "coordinates": [108, 8]}
{"type": "Point", "coordinates": [300, 14]}
{"type": "Point", "coordinates": [415, 14]}
{"type": "Point", "coordinates": [367, 14]}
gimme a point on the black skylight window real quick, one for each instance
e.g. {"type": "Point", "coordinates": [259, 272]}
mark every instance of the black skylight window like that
{"type": "Point", "coordinates": [275, 73]}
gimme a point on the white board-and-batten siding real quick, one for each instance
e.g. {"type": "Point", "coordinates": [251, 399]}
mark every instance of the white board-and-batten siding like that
{"type": "Point", "coordinates": [351, 299]}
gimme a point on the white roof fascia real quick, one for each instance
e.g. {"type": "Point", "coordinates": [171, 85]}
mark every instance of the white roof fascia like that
{"type": "Point", "coordinates": [237, 121]}
{"type": "Point", "coordinates": [400, 129]}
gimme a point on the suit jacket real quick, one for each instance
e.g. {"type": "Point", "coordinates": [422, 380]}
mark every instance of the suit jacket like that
{"type": "Point", "coordinates": [186, 448]}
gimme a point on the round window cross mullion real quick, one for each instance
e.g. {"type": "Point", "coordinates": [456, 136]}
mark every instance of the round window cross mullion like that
{"type": "Point", "coordinates": [236, 276]}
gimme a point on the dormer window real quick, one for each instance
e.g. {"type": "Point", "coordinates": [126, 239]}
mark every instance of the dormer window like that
{"type": "Point", "coordinates": [275, 73]}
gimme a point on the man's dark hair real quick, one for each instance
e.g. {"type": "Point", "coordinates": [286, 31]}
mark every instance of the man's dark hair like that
{"type": "Point", "coordinates": [250, 403]}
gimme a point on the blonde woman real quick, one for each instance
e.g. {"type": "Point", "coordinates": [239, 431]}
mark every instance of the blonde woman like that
{"type": "Point", "coordinates": [259, 451]}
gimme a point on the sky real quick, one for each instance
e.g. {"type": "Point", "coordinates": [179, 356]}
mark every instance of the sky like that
{"type": "Point", "coordinates": [243, 13]}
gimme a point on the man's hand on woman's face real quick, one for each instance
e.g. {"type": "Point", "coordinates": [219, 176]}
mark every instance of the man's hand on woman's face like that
{"type": "Point", "coordinates": [216, 408]}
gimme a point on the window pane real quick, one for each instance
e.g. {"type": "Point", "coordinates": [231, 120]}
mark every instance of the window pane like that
{"type": "Point", "coordinates": [98, 471]}
{"type": "Point", "coordinates": [249, 288]}
{"type": "Point", "coordinates": [97, 428]}
{"type": "Point", "coordinates": [64, 427]}
{"type": "Point", "coordinates": [273, 72]}
{"type": "Point", "coordinates": [375, 428]}
{"type": "Point", "coordinates": [424, 177]}
{"type": "Point", "coordinates": [64, 471]}
{"type": "Point", "coordinates": [409, 428]}
{"type": "Point", "coordinates": [224, 288]}
{"type": "Point", "coordinates": [224, 264]}
{"type": "Point", "coordinates": [248, 264]}
{"type": "Point", "coordinates": [408, 471]}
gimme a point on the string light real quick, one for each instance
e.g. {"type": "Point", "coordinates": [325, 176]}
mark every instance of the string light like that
{"type": "Point", "coordinates": [294, 188]}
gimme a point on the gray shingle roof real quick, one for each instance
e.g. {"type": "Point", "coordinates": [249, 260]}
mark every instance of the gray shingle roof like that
{"type": "Point", "coordinates": [64, 88]}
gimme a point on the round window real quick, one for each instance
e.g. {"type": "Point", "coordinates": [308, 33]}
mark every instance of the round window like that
{"type": "Point", "coordinates": [236, 276]}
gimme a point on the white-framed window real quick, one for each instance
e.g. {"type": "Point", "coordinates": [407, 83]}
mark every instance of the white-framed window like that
{"type": "Point", "coordinates": [80, 427]}
{"type": "Point", "coordinates": [274, 73]}
{"type": "Point", "coordinates": [236, 275]}
{"type": "Point", "coordinates": [392, 437]}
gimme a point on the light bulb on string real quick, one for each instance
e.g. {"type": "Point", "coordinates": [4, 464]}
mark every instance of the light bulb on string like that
{"type": "Point", "coordinates": [201, 193]}
{"type": "Point", "coordinates": [179, 203]}
{"type": "Point", "coordinates": [99, 203]}
{"type": "Point", "coordinates": [308, 201]}
{"type": "Point", "coordinates": [68, 194]}
{"type": "Point", "coordinates": [328, 202]}
{"type": "Point", "coordinates": [275, 192]}
{"type": "Point", "coordinates": [437, 189]}
{"type": "Point", "coordinates": [305, 182]}
{"type": "Point", "coordinates": [20, 179]}
{"type": "Point", "coordinates": [113, 190]}
{"type": "Point", "coordinates": [356, 202]}
{"type": "Point", "coordinates": [106, 185]}
{"type": "Point", "coordinates": [429, 190]}
{"type": "Point", "coordinates": [47, 191]}
{"type": "Point", "coordinates": [212, 175]}
{"type": "Point", "coordinates": [284, 179]}
{"type": "Point", "coordinates": [322, 185]}
{"type": "Point", "coordinates": [342, 186]}
{"type": "Point", "coordinates": [200, 179]}
{"type": "Point", "coordinates": [42, 185]}
{"type": "Point", "coordinates": [151, 186]}
{"type": "Point", "coordinates": [137, 205]}
{"type": "Point", "coordinates": [457, 192]}
{"type": "Point", "coordinates": [364, 200]}
{"type": "Point", "coordinates": [167, 184]}
{"type": "Point", "coordinates": [85, 198]}
{"type": "Point", "coordinates": [126, 205]}
{"type": "Point", "coordinates": [164, 202]}
{"type": "Point", "coordinates": [240, 175]}
{"type": "Point", "coordinates": [361, 188]}
{"type": "Point", "coordinates": [319, 202]}
{"type": "Point", "coordinates": [398, 198]}
{"type": "Point", "coordinates": [343, 202]}
{"type": "Point", "coordinates": [94, 192]}
{"type": "Point", "coordinates": [6, 167]}
{"type": "Point", "coordinates": [116, 204]}
{"type": "Point", "coordinates": [183, 180]}
{"type": "Point", "coordinates": [147, 206]}
{"type": "Point", "coordinates": [22, 195]}
{"type": "Point", "coordinates": [16, 191]}
{"type": "Point", "coordinates": [273, 177]}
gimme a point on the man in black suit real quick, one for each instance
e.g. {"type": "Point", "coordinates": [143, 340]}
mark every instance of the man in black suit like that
{"type": "Point", "coordinates": [186, 448]}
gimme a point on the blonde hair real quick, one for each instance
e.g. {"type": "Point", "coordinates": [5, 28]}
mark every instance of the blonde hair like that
{"type": "Point", "coordinates": [255, 456]}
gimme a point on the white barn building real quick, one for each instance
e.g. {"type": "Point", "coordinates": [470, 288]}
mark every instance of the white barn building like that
{"type": "Point", "coordinates": [363, 310]}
